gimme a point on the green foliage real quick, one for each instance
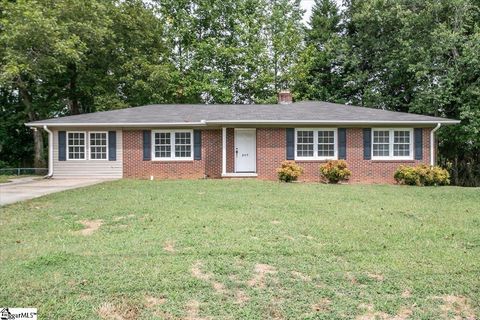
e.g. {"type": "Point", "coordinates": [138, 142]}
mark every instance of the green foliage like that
{"type": "Point", "coordinates": [422, 175]}
{"type": "Point", "coordinates": [335, 171]}
{"type": "Point", "coordinates": [289, 171]}
{"type": "Point", "coordinates": [67, 57]}
{"type": "Point", "coordinates": [411, 56]}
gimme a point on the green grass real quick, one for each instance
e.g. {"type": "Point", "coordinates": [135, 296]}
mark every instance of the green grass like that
{"type": "Point", "coordinates": [330, 251]}
{"type": "Point", "coordinates": [8, 178]}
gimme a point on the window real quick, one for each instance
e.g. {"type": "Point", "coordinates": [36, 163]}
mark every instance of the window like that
{"type": "Point", "coordinates": [391, 144]}
{"type": "Point", "coordinates": [381, 143]}
{"type": "Point", "coordinates": [326, 143]}
{"type": "Point", "coordinates": [172, 145]}
{"type": "Point", "coordinates": [183, 145]}
{"type": "Point", "coordinates": [315, 144]}
{"type": "Point", "coordinates": [76, 145]}
{"type": "Point", "coordinates": [305, 143]}
{"type": "Point", "coordinates": [163, 148]}
{"type": "Point", "coordinates": [98, 145]}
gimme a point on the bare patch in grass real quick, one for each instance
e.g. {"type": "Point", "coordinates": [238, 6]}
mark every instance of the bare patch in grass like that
{"type": "Point", "coordinates": [309, 237]}
{"type": "Point", "coordinates": [458, 306]}
{"type": "Point", "coordinates": [198, 273]}
{"type": "Point", "coordinates": [169, 246]}
{"type": "Point", "coordinates": [274, 310]}
{"type": "Point", "coordinates": [261, 271]}
{"type": "Point", "coordinates": [241, 297]}
{"type": "Point", "coordinates": [301, 276]}
{"type": "Point", "coordinates": [151, 301]}
{"type": "Point", "coordinates": [371, 314]}
{"type": "Point", "coordinates": [120, 311]}
{"type": "Point", "coordinates": [120, 218]}
{"type": "Point", "coordinates": [350, 277]}
{"type": "Point", "coordinates": [193, 310]}
{"type": "Point", "coordinates": [322, 306]}
{"type": "Point", "coordinates": [406, 293]}
{"type": "Point", "coordinates": [275, 222]}
{"type": "Point", "coordinates": [290, 238]}
{"type": "Point", "coordinates": [375, 276]}
{"type": "Point", "coordinates": [90, 227]}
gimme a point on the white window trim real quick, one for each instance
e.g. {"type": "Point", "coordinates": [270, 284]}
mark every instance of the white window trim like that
{"type": "Point", "coordinates": [172, 144]}
{"type": "Point", "coordinates": [85, 145]}
{"type": "Point", "coordinates": [315, 144]}
{"type": "Point", "coordinates": [90, 151]}
{"type": "Point", "coordinates": [391, 143]}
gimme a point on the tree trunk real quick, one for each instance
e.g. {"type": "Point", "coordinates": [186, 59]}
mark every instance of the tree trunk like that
{"type": "Point", "coordinates": [39, 154]}
{"type": "Point", "coordinates": [38, 147]}
{"type": "Point", "coordinates": [72, 96]}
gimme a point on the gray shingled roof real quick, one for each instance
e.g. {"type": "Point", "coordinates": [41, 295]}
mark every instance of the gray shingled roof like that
{"type": "Point", "coordinates": [313, 112]}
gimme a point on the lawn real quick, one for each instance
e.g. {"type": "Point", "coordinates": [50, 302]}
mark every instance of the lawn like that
{"type": "Point", "coordinates": [243, 249]}
{"type": "Point", "coordinates": [5, 178]}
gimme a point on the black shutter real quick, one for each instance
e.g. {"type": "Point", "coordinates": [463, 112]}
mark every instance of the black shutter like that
{"type": "Point", "coordinates": [197, 144]}
{"type": "Point", "coordinates": [342, 143]}
{"type": "Point", "coordinates": [367, 143]}
{"type": "Point", "coordinates": [112, 145]}
{"type": "Point", "coordinates": [290, 143]}
{"type": "Point", "coordinates": [147, 145]}
{"type": "Point", "coordinates": [418, 133]}
{"type": "Point", "coordinates": [62, 146]}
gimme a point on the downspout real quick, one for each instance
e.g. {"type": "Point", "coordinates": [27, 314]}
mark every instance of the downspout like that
{"type": "Point", "coordinates": [432, 144]}
{"type": "Point", "coordinates": [50, 152]}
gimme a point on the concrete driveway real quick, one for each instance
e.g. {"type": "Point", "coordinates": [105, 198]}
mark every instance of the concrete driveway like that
{"type": "Point", "coordinates": [29, 188]}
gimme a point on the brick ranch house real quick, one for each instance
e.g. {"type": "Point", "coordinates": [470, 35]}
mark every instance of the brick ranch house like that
{"type": "Point", "coordinates": [218, 141]}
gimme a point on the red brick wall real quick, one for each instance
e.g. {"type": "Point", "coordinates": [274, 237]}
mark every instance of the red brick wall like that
{"type": "Point", "coordinates": [270, 153]}
{"type": "Point", "coordinates": [135, 167]}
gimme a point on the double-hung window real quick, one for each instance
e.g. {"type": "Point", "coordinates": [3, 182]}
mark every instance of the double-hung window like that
{"type": "Point", "coordinates": [392, 144]}
{"type": "Point", "coordinates": [315, 144]}
{"type": "Point", "coordinates": [76, 145]}
{"type": "Point", "coordinates": [172, 145]}
{"type": "Point", "coordinates": [98, 145]}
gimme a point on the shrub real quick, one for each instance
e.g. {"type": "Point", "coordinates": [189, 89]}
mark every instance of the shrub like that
{"type": "Point", "coordinates": [422, 175]}
{"type": "Point", "coordinates": [335, 171]}
{"type": "Point", "coordinates": [289, 171]}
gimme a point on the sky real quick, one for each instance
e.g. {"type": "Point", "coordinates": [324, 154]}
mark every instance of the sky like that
{"type": "Point", "coordinates": [307, 6]}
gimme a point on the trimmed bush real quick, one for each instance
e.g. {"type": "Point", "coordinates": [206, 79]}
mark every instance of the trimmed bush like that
{"type": "Point", "coordinates": [422, 175]}
{"type": "Point", "coordinates": [289, 171]}
{"type": "Point", "coordinates": [335, 171]}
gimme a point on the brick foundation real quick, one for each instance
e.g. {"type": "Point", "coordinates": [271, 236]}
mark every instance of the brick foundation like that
{"type": "Point", "coordinates": [270, 153]}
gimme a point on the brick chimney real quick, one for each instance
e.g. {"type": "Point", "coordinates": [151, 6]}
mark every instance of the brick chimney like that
{"type": "Point", "coordinates": [285, 97]}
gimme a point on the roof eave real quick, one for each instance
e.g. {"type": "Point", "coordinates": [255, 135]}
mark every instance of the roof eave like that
{"type": "Point", "coordinates": [116, 124]}
{"type": "Point", "coordinates": [333, 122]}
{"type": "Point", "coordinates": [244, 122]}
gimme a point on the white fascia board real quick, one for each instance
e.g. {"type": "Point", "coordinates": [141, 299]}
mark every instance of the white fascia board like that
{"type": "Point", "coordinates": [118, 124]}
{"type": "Point", "coordinates": [331, 122]}
{"type": "Point", "coordinates": [242, 122]}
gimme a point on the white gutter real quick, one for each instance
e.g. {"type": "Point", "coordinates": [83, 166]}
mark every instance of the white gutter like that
{"type": "Point", "coordinates": [239, 122]}
{"type": "Point", "coordinates": [432, 144]}
{"type": "Point", "coordinates": [50, 152]}
{"type": "Point", "coordinates": [353, 122]}
{"type": "Point", "coordinates": [118, 124]}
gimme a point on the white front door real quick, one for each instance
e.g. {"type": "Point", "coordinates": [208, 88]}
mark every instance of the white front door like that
{"type": "Point", "coordinates": [245, 150]}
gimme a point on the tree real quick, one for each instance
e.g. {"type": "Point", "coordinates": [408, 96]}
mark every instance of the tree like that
{"type": "Point", "coordinates": [319, 71]}
{"type": "Point", "coordinates": [412, 56]}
